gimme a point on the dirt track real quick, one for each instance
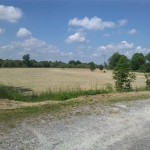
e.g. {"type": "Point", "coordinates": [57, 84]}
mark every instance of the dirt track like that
{"type": "Point", "coordinates": [124, 126]}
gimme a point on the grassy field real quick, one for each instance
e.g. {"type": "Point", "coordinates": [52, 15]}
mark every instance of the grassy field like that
{"type": "Point", "coordinates": [43, 79]}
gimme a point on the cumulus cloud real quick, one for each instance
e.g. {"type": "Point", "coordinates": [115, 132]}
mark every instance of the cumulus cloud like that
{"type": "Point", "coordinates": [77, 37]}
{"type": "Point", "coordinates": [10, 13]}
{"type": "Point", "coordinates": [38, 49]}
{"type": "Point", "coordinates": [116, 47]}
{"type": "Point", "coordinates": [122, 22]}
{"type": "Point", "coordinates": [123, 47]}
{"type": "Point", "coordinates": [23, 32]}
{"type": "Point", "coordinates": [32, 46]}
{"type": "Point", "coordinates": [132, 31]}
{"type": "Point", "coordinates": [94, 23]}
{"type": "Point", "coordinates": [2, 31]}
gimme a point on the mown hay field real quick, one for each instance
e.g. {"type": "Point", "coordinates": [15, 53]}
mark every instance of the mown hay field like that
{"type": "Point", "coordinates": [42, 79]}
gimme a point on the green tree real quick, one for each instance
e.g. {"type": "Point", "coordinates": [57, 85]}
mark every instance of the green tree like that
{"type": "Point", "coordinates": [147, 57]}
{"type": "Point", "coordinates": [92, 66]}
{"type": "Point", "coordinates": [137, 61]}
{"type": "Point", "coordinates": [101, 67]}
{"type": "Point", "coordinates": [112, 61]}
{"type": "Point", "coordinates": [122, 76]}
{"type": "Point", "coordinates": [26, 60]}
{"type": "Point", "coordinates": [145, 67]}
{"type": "Point", "coordinates": [147, 76]}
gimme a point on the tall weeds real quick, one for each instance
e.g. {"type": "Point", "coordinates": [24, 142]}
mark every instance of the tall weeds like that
{"type": "Point", "coordinates": [12, 93]}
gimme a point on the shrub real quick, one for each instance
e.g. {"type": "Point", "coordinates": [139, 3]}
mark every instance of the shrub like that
{"type": "Point", "coordinates": [147, 76]}
{"type": "Point", "coordinates": [122, 76]}
{"type": "Point", "coordinates": [92, 66]}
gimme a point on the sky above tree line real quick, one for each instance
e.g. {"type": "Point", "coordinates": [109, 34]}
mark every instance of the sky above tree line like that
{"type": "Point", "coordinates": [63, 30]}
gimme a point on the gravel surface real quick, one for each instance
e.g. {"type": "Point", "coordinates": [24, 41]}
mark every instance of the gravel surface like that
{"type": "Point", "coordinates": [119, 126]}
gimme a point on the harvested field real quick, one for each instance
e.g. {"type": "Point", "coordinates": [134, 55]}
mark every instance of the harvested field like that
{"type": "Point", "coordinates": [41, 79]}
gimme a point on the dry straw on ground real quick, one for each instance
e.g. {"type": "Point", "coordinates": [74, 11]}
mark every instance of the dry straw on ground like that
{"type": "Point", "coordinates": [41, 79]}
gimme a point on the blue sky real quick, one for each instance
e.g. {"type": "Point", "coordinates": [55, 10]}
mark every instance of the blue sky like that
{"type": "Point", "coordinates": [84, 30]}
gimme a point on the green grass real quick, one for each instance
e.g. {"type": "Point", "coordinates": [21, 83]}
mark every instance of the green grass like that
{"type": "Point", "coordinates": [12, 93]}
{"type": "Point", "coordinates": [62, 107]}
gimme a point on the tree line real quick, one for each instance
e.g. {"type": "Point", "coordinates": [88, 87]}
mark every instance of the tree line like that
{"type": "Point", "coordinates": [138, 62]}
{"type": "Point", "coordinates": [27, 62]}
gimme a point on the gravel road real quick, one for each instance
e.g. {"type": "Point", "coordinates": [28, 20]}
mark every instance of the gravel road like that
{"type": "Point", "coordinates": [119, 126]}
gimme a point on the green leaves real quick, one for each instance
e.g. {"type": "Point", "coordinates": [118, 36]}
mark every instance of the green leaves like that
{"type": "Point", "coordinates": [122, 76]}
{"type": "Point", "coordinates": [147, 76]}
{"type": "Point", "coordinates": [137, 61]}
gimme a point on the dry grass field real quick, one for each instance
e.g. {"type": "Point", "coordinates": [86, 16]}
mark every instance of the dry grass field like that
{"type": "Point", "coordinates": [41, 79]}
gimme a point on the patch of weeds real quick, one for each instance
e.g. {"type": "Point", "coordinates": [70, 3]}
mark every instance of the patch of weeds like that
{"type": "Point", "coordinates": [12, 93]}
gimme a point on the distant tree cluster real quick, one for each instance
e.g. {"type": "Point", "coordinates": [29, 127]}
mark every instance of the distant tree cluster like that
{"type": "Point", "coordinates": [138, 62]}
{"type": "Point", "coordinates": [28, 62]}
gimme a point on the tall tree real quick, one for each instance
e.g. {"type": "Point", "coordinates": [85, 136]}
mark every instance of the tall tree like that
{"type": "Point", "coordinates": [147, 57]}
{"type": "Point", "coordinates": [137, 61]}
{"type": "Point", "coordinates": [112, 61]}
{"type": "Point", "coordinates": [26, 60]}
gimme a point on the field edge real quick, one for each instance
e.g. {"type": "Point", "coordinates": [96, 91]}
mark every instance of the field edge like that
{"type": "Point", "coordinates": [56, 108]}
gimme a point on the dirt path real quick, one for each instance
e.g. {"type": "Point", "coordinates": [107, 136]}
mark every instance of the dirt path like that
{"type": "Point", "coordinates": [124, 126]}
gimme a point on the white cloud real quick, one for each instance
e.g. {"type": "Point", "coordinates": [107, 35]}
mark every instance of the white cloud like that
{"type": "Point", "coordinates": [94, 23]}
{"type": "Point", "coordinates": [10, 13]}
{"type": "Point", "coordinates": [77, 37]}
{"type": "Point", "coordinates": [123, 47]}
{"type": "Point", "coordinates": [33, 45]}
{"type": "Point", "coordinates": [116, 47]}
{"type": "Point", "coordinates": [122, 22]}
{"type": "Point", "coordinates": [23, 32]}
{"type": "Point", "coordinates": [38, 49]}
{"type": "Point", "coordinates": [132, 31]}
{"type": "Point", "coordinates": [2, 31]}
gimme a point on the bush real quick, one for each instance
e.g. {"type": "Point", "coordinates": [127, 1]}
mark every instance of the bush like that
{"type": "Point", "coordinates": [122, 76]}
{"type": "Point", "coordinates": [147, 76]}
{"type": "Point", "coordinates": [92, 66]}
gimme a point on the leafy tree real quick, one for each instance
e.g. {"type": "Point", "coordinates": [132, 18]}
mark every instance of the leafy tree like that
{"type": "Point", "coordinates": [72, 62]}
{"type": "Point", "coordinates": [122, 76]}
{"type": "Point", "coordinates": [26, 60]}
{"type": "Point", "coordinates": [18, 63]}
{"type": "Point", "coordinates": [101, 67]}
{"type": "Point", "coordinates": [92, 66]}
{"type": "Point", "coordinates": [45, 64]}
{"type": "Point", "coordinates": [147, 76]}
{"type": "Point", "coordinates": [1, 62]}
{"type": "Point", "coordinates": [137, 61]}
{"type": "Point", "coordinates": [78, 62]}
{"type": "Point", "coordinates": [113, 60]}
{"type": "Point", "coordinates": [145, 67]}
{"type": "Point", "coordinates": [147, 57]}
